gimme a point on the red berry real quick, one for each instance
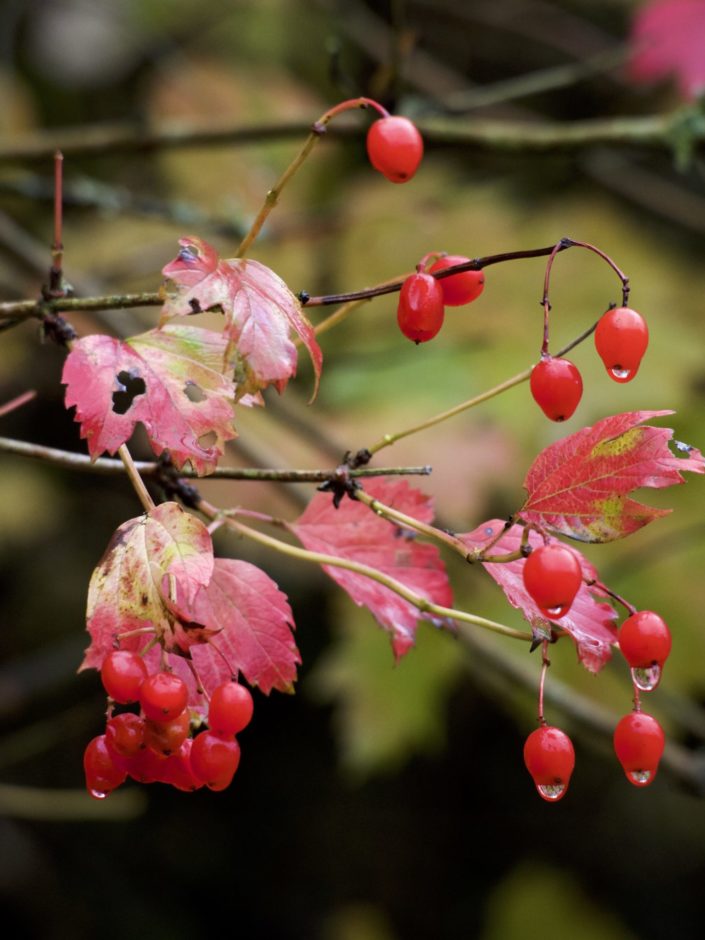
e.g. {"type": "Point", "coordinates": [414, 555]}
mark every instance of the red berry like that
{"type": "Point", "coordinates": [638, 742]}
{"type": "Point", "coordinates": [395, 148]}
{"type": "Point", "coordinates": [123, 673]}
{"type": "Point", "coordinates": [124, 734]}
{"type": "Point", "coordinates": [645, 642]}
{"type": "Point", "coordinates": [458, 289]}
{"type": "Point", "coordinates": [420, 311]}
{"type": "Point", "coordinates": [557, 387]}
{"type": "Point", "coordinates": [621, 339]}
{"type": "Point", "coordinates": [177, 769]}
{"type": "Point", "coordinates": [163, 696]}
{"type": "Point", "coordinates": [214, 760]}
{"type": "Point", "coordinates": [166, 737]}
{"type": "Point", "coordinates": [552, 576]}
{"type": "Point", "coordinates": [230, 709]}
{"type": "Point", "coordinates": [550, 759]}
{"type": "Point", "coordinates": [103, 771]}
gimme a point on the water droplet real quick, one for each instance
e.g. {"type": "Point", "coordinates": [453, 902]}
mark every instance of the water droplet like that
{"type": "Point", "coordinates": [551, 791]}
{"type": "Point", "coordinates": [647, 678]}
{"type": "Point", "coordinates": [622, 375]}
{"type": "Point", "coordinates": [555, 613]}
{"type": "Point", "coordinates": [640, 777]}
{"type": "Point", "coordinates": [98, 794]}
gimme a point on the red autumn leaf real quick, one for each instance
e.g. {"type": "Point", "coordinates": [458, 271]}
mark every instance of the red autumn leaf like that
{"type": "Point", "coordinates": [579, 485]}
{"type": "Point", "coordinates": [354, 532]}
{"type": "Point", "coordinates": [590, 622]}
{"type": "Point", "coordinates": [130, 586]}
{"type": "Point", "coordinates": [260, 313]}
{"type": "Point", "coordinates": [248, 623]}
{"type": "Point", "coordinates": [171, 379]}
{"type": "Point", "coordinates": [668, 39]}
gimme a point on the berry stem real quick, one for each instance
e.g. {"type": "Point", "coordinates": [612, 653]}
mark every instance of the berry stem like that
{"type": "Point", "coordinates": [613, 594]}
{"type": "Point", "coordinates": [319, 558]}
{"type": "Point", "coordinates": [318, 129]}
{"type": "Point", "coordinates": [56, 275]}
{"type": "Point", "coordinates": [545, 663]}
{"type": "Point", "coordinates": [559, 246]}
{"type": "Point", "coordinates": [517, 379]}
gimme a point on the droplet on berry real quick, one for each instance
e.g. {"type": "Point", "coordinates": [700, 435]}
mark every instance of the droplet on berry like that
{"type": "Point", "coordinates": [458, 289]}
{"type": "Point", "coordinates": [645, 642]}
{"type": "Point", "coordinates": [621, 339]}
{"type": "Point", "coordinates": [552, 576]}
{"type": "Point", "coordinates": [557, 387]}
{"type": "Point", "coordinates": [103, 771]}
{"type": "Point", "coordinates": [550, 759]}
{"type": "Point", "coordinates": [646, 678]}
{"type": "Point", "coordinates": [395, 148]}
{"type": "Point", "coordinates": [420, 311]}
{"type": "Point", "coordinates": [638, 743]}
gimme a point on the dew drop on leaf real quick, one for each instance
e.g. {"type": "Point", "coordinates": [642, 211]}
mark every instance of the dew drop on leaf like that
{"type": "Point", "coordinates": [646, 678]}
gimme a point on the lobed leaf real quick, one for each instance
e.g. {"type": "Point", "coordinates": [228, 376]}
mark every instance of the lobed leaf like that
{"type": "Point", "coordinates": [260, 313]}
{"type": "Point", "coordinates": [590, 621]}
{"type": "Point", "coordinates": [171, 379]}
{"type": "Point", "coordinates": [354, 532]}
{"type": "Point", "coordinates": [579, 485]}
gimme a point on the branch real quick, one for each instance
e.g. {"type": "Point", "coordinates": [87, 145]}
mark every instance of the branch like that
{"type": "Point", "coordinates": [104, 466]}
{"type": "Point", "coordinates": [656, 131]}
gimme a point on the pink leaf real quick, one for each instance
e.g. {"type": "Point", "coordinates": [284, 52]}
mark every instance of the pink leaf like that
{"type": "Point", "coordinates": [354, 532]}
{"type": "Point", "coordinates": [260, 313]}
{"type": "Point", "coordinates": [579, 485]}
{"type": "Point", "coordinates": [668, 38]}
{"type": "Point", "coordinates": [589, 621]}
{"type": "Point", "coordinates": [249, 624]}
{"type": "Point", "coordinates": [170, 379]}
{"type": "Point", "coordinates": [146, 557]}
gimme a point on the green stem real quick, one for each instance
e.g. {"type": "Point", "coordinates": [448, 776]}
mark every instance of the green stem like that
{"type": "Point", "coordinates": [319, 558]}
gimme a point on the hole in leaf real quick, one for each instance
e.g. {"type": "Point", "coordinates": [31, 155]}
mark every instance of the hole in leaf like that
{"type": "Point", "coordinates": [131, 385]}
{"type": "Point", "coordinates": [194, 392]}
{"type": "Point", "coordinates": [207, 440]}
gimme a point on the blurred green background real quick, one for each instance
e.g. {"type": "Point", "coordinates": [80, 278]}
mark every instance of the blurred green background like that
{"type": "Point", "coordinates": [381, 802]}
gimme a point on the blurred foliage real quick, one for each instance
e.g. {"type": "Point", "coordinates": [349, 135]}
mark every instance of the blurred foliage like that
{"type": "Point", "coordinates": [450, 840]}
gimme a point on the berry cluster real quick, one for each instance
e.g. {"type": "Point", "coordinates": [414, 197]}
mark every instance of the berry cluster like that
{"type": "Point", "coordinates": [621, 338]}
{"type": "Point", "coordinates": [552, 576]}
{"type": "Point", "coordinates": [423, 297]}
{"type": "Point", "coordinates": [160, 744]}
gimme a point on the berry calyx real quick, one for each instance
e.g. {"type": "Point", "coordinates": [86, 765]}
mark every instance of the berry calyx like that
{"type": "Point", "coordinates": [163, 696]}
{"type": "Point", "coordinates": [557, 387]}
{"type": "Point", "coordinates": [420, 311]}
{"type": "Point", "coordinates": [230, 709]}
{"type": "Point", "coordinates": [122, 674]}
{"type": "Point", "coordinates": [638, 743]}
{"type": "Point", "coordinates": [395, 148]}
{"type": "Point", "coordinates": [621, 339]}
{"type": "Point", "coordinates": [458, 289]}
{"type": "Point", "coordinates": [645, 642]}
{"type": "Point", "coordinates": [552, 576]}
{"type": "Point", "coordinates": [550, 759]}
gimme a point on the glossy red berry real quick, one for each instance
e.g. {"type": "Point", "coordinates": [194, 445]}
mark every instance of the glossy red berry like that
{"type": "Point", "coordinates": [103, 771]}
{"type": "Point", "coordinates": [645, 642]}
{"type": "Point", "coordinates": [214, 760]}
{"type": "Point", "coordinates": [395, 148]}
{"type": "Point", "coordinates": [420, 311]}
{"type": "Point", "coordinates": [123, 673]}
{"type": "Point", "coordinates": [621, 339]}
{"type": "Point", "coordinates": [230, 709]}
{"type": "Point", "coordinates": [550, 759]}
{"type": "Point", "coordinates": [458, 289]}
{"type": "Point", "coordinates": [163, 696]}
{"type": "Point", "coordinates": [557, 387]}
{"type": "Point", "coordinates": [638, 743]}
{"type": "Point", "coordinates": [166, 737]}
{"type": "Point", "coordinates": [124, 734]}
{"type": "Point", "coordinates": [177, 769]}
{"type": "Point", "coordinates": [552, 576]}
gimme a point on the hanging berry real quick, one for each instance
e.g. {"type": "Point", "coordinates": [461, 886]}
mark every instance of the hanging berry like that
{"type": "Point", "coordinates": [638, 743]}
{"type": "Point", "coordinates": [420, 311]}
{"type": "Point", "coordinates": [557, 387]}
{"type": "Point", "coordinates": [550, 759]}
{"type": "Point", "coordinates": [395, 148]}
{"type": "Point", "coordinates": [621, 339]}
{"type": "Point", "coordinates": [552, 576]}
{"type": "Point", "coordinates": [458, 289]}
